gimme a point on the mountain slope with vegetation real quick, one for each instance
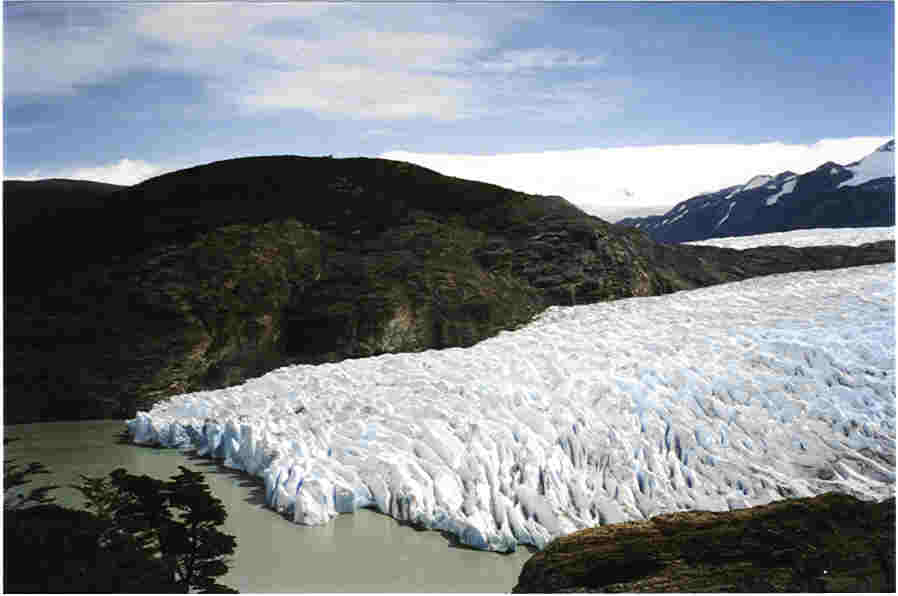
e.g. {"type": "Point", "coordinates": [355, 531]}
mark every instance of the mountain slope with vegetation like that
{"type": "Point", "coordinates": [207, 276]}
{"type": "Point", "coordinates": [828, 543]}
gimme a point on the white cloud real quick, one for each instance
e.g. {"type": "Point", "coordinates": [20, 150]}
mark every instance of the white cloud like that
{"type": "Point", "coordinates": [322, 58]}
{"type": "Point", "coordinates": [378, 62]}
{"type": "Point", "coordinates": [361, 92]}
{"type": "Point", "coordinates": [539, 59]}
{"type": "Point", "coordinates": [125, 171]}
{"type": "Point", "coordinates": [615, 182]}
{"type": "Point", "coordinates": [55, 56]}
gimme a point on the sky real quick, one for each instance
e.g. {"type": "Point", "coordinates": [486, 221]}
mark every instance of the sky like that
{"type": "Point", "coordinates": [618, 107]}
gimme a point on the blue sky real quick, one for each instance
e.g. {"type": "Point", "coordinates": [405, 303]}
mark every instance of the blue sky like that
{"type": "Point", "coordinates": [541, 94]}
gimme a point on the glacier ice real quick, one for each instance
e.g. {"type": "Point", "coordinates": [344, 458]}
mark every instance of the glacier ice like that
{"type": "Point", "coordinates": [718, 398]}
{"type": "Point", "coordinates": [801, 238]}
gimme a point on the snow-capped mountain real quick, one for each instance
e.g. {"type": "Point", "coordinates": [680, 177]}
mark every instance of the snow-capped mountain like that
{"type": "Point", "coordinates": [860, 194]}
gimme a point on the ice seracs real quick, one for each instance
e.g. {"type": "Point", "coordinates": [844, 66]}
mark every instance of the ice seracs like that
{"type": "Point", "coordinates": [718, 398]}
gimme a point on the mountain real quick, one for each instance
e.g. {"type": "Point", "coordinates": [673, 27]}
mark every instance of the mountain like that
{"type": "Point", "coordinates": [861, 194]}
{"type": "Point", "coordinates": [207, 276]}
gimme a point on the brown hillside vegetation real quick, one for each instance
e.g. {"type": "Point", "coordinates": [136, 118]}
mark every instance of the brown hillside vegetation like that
{"type": "Point", "coordinates": [828, 543]}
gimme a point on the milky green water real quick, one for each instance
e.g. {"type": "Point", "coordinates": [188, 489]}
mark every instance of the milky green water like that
{"type": "Point", "coordinates": [360, 552]}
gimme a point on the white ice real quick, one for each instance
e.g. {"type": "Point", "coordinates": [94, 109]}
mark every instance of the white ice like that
{"type": "Point", "coordinates": [718, 398]}
{"type": "Point", "coordinates": [800, 238]}
{"type": "Point", "coordinates": [879, 164]}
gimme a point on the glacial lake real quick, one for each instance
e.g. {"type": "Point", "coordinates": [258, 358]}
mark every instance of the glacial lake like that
{"type": "Point", "coordinates": [361, 552]}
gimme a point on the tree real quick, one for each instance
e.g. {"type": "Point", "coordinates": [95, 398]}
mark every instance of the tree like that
{"type": "Point", "coordinates": [49, 548]}
{"type": "Point", "coordinates": [139, 534]}
{"type": "Point", "coordinates": [14, 475]}
{"type": "Point", "coordinates": [178, 520]}
{"type": "Point", "coordinates": [196, 545]}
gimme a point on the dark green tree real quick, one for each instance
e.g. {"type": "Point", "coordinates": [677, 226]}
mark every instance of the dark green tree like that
{"type": "Point", "coordinates": [138, 534]}
{"type": "Point", "coordinates": [178, 520]}
{"type": "Point", "coordinates": [16, 475]}
{"type": "Point", "coordinates": [49, 548]}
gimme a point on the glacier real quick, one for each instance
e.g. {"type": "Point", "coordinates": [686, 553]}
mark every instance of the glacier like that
{"type": "Point", "coordinates": [803, 238]}
{"type": "Point", "coordinates": [718, 398]}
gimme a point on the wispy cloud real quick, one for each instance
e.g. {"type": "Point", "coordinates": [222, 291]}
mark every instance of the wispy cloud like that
{"type": "Point", "coordinates": [539, 59]}
{"type": "Point", "coordinates": [614, 182]}
{"type": "Point", "coordinates": [361, 92]}
{"type": "Point", "coordinates": [56, 49]}
{"type": "Point", "coordinates": [329, 59]}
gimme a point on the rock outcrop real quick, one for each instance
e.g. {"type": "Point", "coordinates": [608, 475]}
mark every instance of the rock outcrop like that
{"type": "Point", "coordinates": [828, 543]}
{"type": "Point", "coordinates": [208, 276]}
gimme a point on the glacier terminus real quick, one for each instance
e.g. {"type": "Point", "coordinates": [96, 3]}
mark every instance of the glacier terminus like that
{"type": "Point", "coordinates": [717, 398]}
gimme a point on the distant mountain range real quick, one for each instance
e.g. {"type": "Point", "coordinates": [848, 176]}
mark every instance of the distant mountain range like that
{"type": "Point", "coordinates": [860, 194]}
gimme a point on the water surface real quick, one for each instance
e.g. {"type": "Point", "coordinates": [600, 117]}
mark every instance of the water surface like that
{"type": "Point", "coordinates": [360, 552]}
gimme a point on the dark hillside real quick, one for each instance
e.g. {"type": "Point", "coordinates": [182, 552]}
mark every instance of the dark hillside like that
{"type": "Point", "coordinates": [827, 543]}
{"type": "Point", "coordinates": [46, 213]}
{"type": "Point", "coordinates": [207, 276]}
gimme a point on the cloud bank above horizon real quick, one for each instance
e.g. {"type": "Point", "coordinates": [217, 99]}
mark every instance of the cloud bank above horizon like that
{"type": "Point", "coordinates": [125, 172]}
{"type": "Point", "coordinates": [611, 183]}
{"type": "Point", "coordinates": [616, 182]}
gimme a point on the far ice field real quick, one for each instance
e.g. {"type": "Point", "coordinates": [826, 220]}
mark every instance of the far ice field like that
{"type": "Point", "coordinates": [719, 398]}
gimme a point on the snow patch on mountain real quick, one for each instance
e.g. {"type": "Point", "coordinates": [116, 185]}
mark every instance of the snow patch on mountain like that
{"type": "Point", "coordinates": [879, 164]}
{"type": "Point", "coordinates": [727, 216]}
{"type": "Point", "coordinates": [678, 217]}
{"type": "Point", "coordinates": [756, 182]}
{"type": "Point", "coordinates": [591, 414]}
{"type": "Point", "coordinates": [787, 188]}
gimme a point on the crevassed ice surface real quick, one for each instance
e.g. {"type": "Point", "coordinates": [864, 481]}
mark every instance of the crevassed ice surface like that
{"type": "Point", "coordinates": [714, 399]}
{"type": "Point", "coordinates": [800, 238]}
